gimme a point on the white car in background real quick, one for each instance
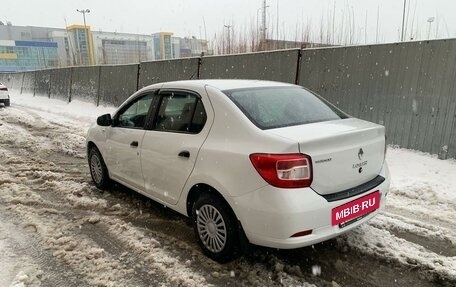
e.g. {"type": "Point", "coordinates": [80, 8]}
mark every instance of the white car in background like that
{"type": "Point", "coordinates": [4, 95]}
{"type": "Point", "coordinates": [265, 162]}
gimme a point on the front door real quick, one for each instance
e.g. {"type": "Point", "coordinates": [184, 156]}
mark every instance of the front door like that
{"type": "Point", "coordinates": [124, 141]}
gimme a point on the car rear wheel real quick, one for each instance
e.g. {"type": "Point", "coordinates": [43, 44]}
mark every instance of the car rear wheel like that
{"type": "Point", "coordinates": [98, 169]}
{"type": "Point", "coordinates": [7, 103]}
{"type": "Point", "coordinates": [215, 228]}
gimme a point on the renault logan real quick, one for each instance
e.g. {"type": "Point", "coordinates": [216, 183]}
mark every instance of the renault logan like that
{"type": "Point", "coordinates": [268, 163]}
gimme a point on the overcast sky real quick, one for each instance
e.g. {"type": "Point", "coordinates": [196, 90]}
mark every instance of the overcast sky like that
{"type": "Point", "coordinates": [207, 17]}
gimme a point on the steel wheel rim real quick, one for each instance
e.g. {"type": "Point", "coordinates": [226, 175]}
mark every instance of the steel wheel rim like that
{"type": "Point", "coordinates": [211, 228]}
{"type": "Point", "coordinates": [95, 168]}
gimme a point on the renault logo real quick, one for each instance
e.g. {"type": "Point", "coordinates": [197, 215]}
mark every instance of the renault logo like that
{"type": "Point", "coordinates": [360, 153]}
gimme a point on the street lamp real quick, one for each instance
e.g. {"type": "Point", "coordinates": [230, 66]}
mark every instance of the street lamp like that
{"type": "Point", "coordinates": [84, 11]}
{"type": "Point", "coordinates": [430, 20]}
{"type": "Point", "coordinates": [229, 38]}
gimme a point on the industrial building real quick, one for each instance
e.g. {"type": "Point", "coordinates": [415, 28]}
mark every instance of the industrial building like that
{"type": "Point", "coordinates": [24, 48]}
{"type": "Point", "coordinates": [164, 47]}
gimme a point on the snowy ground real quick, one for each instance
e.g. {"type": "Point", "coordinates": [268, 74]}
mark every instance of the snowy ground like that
{"type": "Point", "coordinates": [57, 229]}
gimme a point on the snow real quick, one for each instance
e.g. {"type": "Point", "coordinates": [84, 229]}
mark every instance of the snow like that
{"type": "Point", "coordinates": [178, 272]}
{"type": "Point", "coordinates": [20, 270]}
{"type": "Point", "coordinates": [316, 270]}
{"type": "Point", "coordinates": [58, 110]}
{"type": "Point", "coordinates": [422, 176]}
{"type": "Point", "coordinates": [423, 186]}
{"type": "Point", "coordinates": [421, 202]}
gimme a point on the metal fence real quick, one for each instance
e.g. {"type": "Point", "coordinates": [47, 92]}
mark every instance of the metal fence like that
{"type": "Point", "coordinates": [408, 87]}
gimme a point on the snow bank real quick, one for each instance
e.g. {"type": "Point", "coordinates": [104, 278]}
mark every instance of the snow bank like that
{"type": "Point", "coordinates": [54, 109]}
{"type": "Point", "coordinates": [422, 176]}
{"type": "Point", "coordinates": [421, 201]}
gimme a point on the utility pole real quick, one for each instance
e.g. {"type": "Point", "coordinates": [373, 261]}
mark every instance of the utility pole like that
{"type": "Point", "coordinates": [403, 21]}
{"type": "Point", "coordinates": [258, 28]}
{"type": "Point", "coordinates": [264, 20]}
{"type": "Point", "coordinates": [277, 25]}
{"type": "Point", "coordinates": [84, 11]}
{"type": "Point", "coordinates": [229, 37]}
{"type": "Point", "coordinates": [378, 16]}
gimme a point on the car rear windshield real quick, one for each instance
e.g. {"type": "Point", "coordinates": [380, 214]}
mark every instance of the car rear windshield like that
{"type": "Point", "coordinates": [275, 107]}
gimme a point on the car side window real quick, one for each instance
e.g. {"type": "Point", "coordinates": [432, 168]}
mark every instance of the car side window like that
{"type": "Point", "coordinates": [180, 112]}
{"type": "Point", "coordinates": [134, 116]}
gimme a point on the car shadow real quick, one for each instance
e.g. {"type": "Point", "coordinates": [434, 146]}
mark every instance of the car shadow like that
{"type": "Point", "coordinates": [330, 261]}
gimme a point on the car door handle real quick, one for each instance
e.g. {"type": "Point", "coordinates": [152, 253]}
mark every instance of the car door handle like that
{"type": "Point", "coordinates": [184, 153]}
{"type": "Point", "coordinates": [134, 144]}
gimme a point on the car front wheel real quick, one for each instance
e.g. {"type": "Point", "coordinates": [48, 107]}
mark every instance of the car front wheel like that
{"type": "Point", "coordinates": [98, 169]}
{"type": "Point", "coordinates": [215, 228]}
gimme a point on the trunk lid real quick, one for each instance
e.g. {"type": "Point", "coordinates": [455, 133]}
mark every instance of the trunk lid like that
{"type": "Point", "coordinates": [345, 153]}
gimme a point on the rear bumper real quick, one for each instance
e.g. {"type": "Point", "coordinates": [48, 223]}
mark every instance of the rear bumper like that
{"type": "Point", "coordinates": [4, 95]}
{"type": "Point", "coordinates": [270, 216]}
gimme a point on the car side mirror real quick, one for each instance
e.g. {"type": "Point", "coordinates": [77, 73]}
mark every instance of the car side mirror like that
{"type": "Point", "coordinates": [104, 120]}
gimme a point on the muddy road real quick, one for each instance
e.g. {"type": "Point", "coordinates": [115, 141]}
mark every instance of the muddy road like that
{"type": "Point", "coordinates": [57, 229]}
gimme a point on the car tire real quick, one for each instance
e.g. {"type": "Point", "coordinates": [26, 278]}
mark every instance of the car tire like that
{"type": "Point", "coordinates": [98, 169]}
{"type": "Point", "coordinates": [7, 103]}
{"type": "Point", "coordinates": [215, 228]}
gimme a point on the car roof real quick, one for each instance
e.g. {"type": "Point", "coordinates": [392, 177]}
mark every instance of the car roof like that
{"type": "Point", "coordinates": [231, 84]}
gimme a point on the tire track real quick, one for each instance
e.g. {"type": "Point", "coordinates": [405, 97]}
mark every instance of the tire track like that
{"type": "Point", "coordinates": [122, 228]}
{"type": "Point", "coordinates": [59, 189]}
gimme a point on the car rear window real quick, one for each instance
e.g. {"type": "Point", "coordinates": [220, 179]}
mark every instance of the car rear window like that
{"type": "Point", "coordinates": [275, 107]}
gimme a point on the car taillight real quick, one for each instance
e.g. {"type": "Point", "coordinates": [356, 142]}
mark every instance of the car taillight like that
{"type": "Point", "coordinates": [284, 170]}
{"type": "Point", "coordinates": [4, 89]}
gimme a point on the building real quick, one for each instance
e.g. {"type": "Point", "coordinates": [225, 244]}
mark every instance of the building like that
{"type": "Point", "coordinates": [270, 44]}
{"type": "Point", "coordinates": [192, 47]}
{"type": "Point", "coordinates": [63, 47]}
{"type": "Point", "coordinates": [27, 48]}
{"type": "Point", "coordinates": [27, 55]}
{"type": "Point", "coordinates": [24, 48]}
{"type": "Point", "coordinates": [122, 48]}
{"type": "Point", "coordinates": [163, 45]}
{"type": "Point", "coordinates": [80, 45]}
{"type": "Point", "coordinates": [168, 47]}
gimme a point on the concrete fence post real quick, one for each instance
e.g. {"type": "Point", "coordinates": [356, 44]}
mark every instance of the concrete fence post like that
{"type": "Point", "coordinates": [200, 64]}
{"type": "Point", "coordinates": [298, 67]}
{"type": "Point", "coordinates": [99, 85]}
{"type": "Point", "coordinates": [138, 74]}
{"type": "Point", "coordinates": [71, 83]}
{"type": "Point", "coordinates": [49, 86]}
{"type": "Point", "coordinates": [22, 85]}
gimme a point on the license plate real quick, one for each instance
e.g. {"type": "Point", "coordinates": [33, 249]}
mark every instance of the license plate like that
{"type": "Point", "coordinates": [356, 208]}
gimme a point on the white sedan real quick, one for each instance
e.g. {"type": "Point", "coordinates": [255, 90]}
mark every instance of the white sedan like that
{"type": "Point", "coordinates": [263, 162]}
{"type": "Point", "coordinates": [4, 95]}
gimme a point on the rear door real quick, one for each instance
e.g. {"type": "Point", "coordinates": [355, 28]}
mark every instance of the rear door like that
{"type": "Point", "coordinates": [170, 149]}
{"type": "Point", "coordinates": [124, 139]}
